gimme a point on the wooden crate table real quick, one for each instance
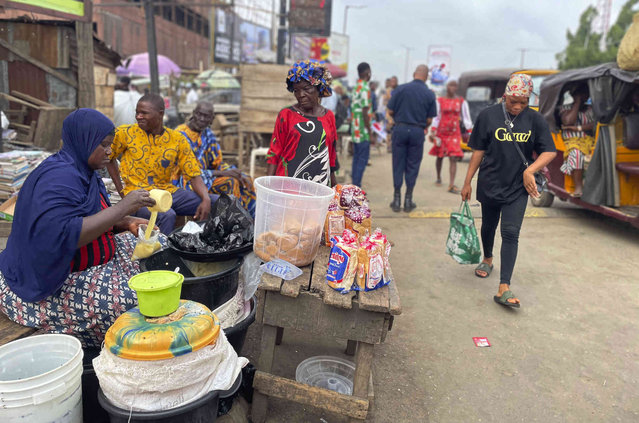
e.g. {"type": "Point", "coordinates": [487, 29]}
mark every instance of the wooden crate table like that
{"type": "Point", "coordinates": [309, 305]}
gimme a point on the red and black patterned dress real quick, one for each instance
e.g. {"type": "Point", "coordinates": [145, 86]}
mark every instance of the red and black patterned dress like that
{"type": "Point", "coordinates": [304, 146]}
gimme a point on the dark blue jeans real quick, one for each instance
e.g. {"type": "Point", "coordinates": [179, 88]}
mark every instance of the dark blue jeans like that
{"type": "Point", "coordinates": [361, 153]}
{"type": "Point", "coordinates": [512, 216]}
{"type": "Point", "coordinates": [408, 151]}
{"type": "Point", "coordinates": [185, 203]}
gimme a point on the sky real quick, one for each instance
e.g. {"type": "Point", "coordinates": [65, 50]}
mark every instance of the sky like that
{"type": "Point", "coordinates": [483, 33]}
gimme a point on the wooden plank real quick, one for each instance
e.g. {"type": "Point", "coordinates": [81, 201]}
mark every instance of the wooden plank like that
{"type": "Point", "coordinates": [266, 104]}
{"type": "Point", "coordinates": [264, 363]}
{"type": "Point", "coordinates": [324, 399]}
{"type": "Point", "coordinates": [10, 331]}
{"type": "Point", "coordinates": [395, 305]}
{"type": "Point", "coordinates": [264, 89]}
{"type": "Point", "coordinates": [318, 283]}
{"type": "Point", "coordinates": [270, 283]}
{"type": "Point", "coordinates": [267, 348]}
{"type": "Point", "coordinates": [62, 77]}
{"type": "Point", "coordinates": [257, 121]}
{"type": "Point", "coordinates": [17, 100]}
{"type": "Point", "coordinates": [363, 366]}
{"type": "Point", "coordinates": [49, 128]}
{"type": "Point", "coordinates": [308, 313]}
{"type": "Point", "coordinates": [261, 297]}
{"type": "Point", "coordinates": [86, 78]}
{"type": "Point", "coordinates": [377, 300]}
{"type": "Point", "coordinates": [31, 99]}
{"type": "Point", "coordinates": [292, 288]}
{"type": "Point", "coordinates": [264, 72]}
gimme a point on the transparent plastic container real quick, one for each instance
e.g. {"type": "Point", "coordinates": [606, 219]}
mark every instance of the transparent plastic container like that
{"type": "Point", "coordinates": [289, 218]}
{"type": "Point", "coordinates": [327, 372]}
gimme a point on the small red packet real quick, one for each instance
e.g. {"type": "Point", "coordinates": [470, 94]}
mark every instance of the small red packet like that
{"type": "Point", "coordinates": [481, 342]}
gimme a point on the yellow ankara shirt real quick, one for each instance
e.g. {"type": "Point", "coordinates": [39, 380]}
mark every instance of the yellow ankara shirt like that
{"type": "Point", "coordinates": [148, 161]}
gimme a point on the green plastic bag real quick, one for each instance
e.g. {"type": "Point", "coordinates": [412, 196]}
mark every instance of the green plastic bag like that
{"type": "Point", "coordinates": [463, 242]}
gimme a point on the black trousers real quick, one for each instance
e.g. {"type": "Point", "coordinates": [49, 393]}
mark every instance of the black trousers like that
{"type": "Point", "coordinates": [408, 151]}
{"type": "Point", "coordinates": [512, 216]}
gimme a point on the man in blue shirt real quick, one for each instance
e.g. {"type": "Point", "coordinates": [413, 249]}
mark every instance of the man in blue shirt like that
{"type": "Point", "coordinates": [413, 107]}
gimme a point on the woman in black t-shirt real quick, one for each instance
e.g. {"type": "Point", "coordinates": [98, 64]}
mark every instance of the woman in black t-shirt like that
{"type": "Point", "coordinates": [504, 182]}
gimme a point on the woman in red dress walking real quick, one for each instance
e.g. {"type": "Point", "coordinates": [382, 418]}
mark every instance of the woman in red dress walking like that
{"type": "Point", "coordinates": [446, 134]}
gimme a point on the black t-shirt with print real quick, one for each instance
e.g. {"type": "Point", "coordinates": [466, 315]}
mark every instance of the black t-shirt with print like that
{"type": "Point", "coordinates": [500, 173]}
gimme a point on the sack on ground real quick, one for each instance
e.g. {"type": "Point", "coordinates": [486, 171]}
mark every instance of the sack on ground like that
{"type": "Point", "coordinates": [463, 242]}
{"type": "Point", "coordinates": [165, 384]}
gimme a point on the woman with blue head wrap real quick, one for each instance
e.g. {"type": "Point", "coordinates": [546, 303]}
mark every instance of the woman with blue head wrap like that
{"type": "Point", "coordinates": [304, 139]}
{"type": "Point", "coordinates": [64, 270]}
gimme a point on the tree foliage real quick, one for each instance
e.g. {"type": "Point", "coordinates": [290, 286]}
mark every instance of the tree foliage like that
{"type": "Point", "coordinates": [583, 46]}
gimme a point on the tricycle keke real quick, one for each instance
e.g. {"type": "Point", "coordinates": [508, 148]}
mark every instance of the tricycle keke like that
{"type": "Point", "coordinates": [611, 173]}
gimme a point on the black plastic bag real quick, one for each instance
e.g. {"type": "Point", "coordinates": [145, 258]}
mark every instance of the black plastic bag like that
{"type": "Point", "coordinates": [230, 226]}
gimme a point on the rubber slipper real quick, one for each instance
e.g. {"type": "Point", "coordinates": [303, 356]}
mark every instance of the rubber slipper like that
{"type": "Point", "coordinates": [438, 182]}
{"type": "Point", "coordinates": [484, 267]}
{"type": "Point", "coordinates": [454, 190]}
{"type": "Point", "coordinates": [503, 300]}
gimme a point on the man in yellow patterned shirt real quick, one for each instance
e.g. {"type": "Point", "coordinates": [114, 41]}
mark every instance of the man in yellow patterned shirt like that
{"type": "Point", "coordinates": [151, 154]}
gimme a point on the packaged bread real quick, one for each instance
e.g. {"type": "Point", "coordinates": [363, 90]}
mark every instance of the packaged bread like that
{"type": "Point", "coordinates": [370, 266]}
{"type": "Point", "coordinates": [377, 237]}
{"type": "Point", "coordinates": [358, 219]}
{"type": "Point", "coordinates": [352, 196]}
{"type": "Point", "coordinates": [334, 224]}
{"type": "Point", "coordinates": [342, 263]}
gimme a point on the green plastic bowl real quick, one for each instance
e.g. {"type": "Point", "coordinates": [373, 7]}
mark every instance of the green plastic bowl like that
{"type": "Point", "coordinates": [158, 292]}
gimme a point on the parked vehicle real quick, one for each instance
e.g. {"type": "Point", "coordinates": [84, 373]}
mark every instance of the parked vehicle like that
{"type": "Point", "coordinates": [611, 183]}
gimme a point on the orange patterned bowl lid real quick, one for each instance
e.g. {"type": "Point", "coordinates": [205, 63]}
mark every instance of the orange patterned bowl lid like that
{"type": "Point", "coordinates": [136, 337]}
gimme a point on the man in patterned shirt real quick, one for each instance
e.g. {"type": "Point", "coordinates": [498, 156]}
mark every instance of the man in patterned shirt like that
{"type": "Point", "coordinates": [361, 128]}
{"type": "Point", "coordinates": [150, 155]}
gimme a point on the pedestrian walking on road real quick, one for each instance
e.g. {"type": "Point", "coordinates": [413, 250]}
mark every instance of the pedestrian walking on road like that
{"type": "Point", "coordinates": [505, 182]}
{"type": "Point", "coordinates": [446, 135]}
{"type": "Point", "coordinates": [361, 107]}
{"type": "Point", "coordinates": [413, 107]}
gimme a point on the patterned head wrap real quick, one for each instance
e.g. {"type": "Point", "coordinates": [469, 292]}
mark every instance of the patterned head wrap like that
{"type": "Point", "coordinates": [519, 85]}
{"type": "Point", "coordinates": [314, 72]}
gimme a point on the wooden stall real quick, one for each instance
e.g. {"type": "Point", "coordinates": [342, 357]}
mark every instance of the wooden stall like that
{"type": "Point", "coordinates": [309, 305]}
{"type": "Point", "coordinates": [39, 76]}
{"type": "Point", "coordinates": [264, 94]}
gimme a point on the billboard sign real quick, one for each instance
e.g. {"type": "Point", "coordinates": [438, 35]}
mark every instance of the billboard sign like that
{"type": "Point", "coordinates": [226, 32]}
{"type": "Point", "coordinates": [67, 9]}
{"type": "Point", "coordinates": [311, 17]}
{"type": "Point", "coordinates": [439, 58]}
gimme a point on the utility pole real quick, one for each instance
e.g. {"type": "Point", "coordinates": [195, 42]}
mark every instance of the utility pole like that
{"type": "Point", "coordinates": [151, 46]}
{"type": "Point", "coordinates": [523, 57]}
{"type": "Point", "coordinates": [346, 15]}
{"type": "Point", "coordinates": [408, 49]}
{"type": "Point", "coordinates": [281, 34]}
{"type": "Point", "coordinates": [234, 18]}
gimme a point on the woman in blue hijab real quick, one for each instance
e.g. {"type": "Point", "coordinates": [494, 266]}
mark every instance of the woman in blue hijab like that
{"type": "Point", "coordinates": [64, 270]}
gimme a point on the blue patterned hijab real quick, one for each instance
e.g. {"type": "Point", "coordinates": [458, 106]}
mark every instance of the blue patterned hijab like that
{"type": "Point", "coordinates": [54, 199]}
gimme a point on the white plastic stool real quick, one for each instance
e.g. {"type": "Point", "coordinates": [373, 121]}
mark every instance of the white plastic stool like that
{"type": "Point", "coordinates": [262, 151]}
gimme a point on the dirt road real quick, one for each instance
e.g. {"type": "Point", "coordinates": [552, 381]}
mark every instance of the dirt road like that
{"type": "Point", "coordinates": [570, 354]}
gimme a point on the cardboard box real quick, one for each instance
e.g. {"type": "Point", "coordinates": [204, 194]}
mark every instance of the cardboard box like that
{"type": "Point", "coordinates": [7, 208]}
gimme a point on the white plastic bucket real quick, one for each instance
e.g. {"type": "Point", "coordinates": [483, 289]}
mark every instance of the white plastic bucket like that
{"type": "Point", "coordinates": [289, 218]}
{"type": "Point", "coordinates": [41, 380]}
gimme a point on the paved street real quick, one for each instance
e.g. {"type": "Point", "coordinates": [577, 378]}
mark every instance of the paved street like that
{"type": "Point", "coordinates": [570, 354]}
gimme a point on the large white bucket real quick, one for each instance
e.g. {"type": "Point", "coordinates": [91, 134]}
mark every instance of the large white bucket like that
{"type": "Point", "coordinates": [41, 380]}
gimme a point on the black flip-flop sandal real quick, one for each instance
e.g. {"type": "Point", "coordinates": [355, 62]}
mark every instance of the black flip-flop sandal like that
{"type": "Point", "coordinates": [503, 300]}
{"type": "Point", "coordinates": [484, 267]}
